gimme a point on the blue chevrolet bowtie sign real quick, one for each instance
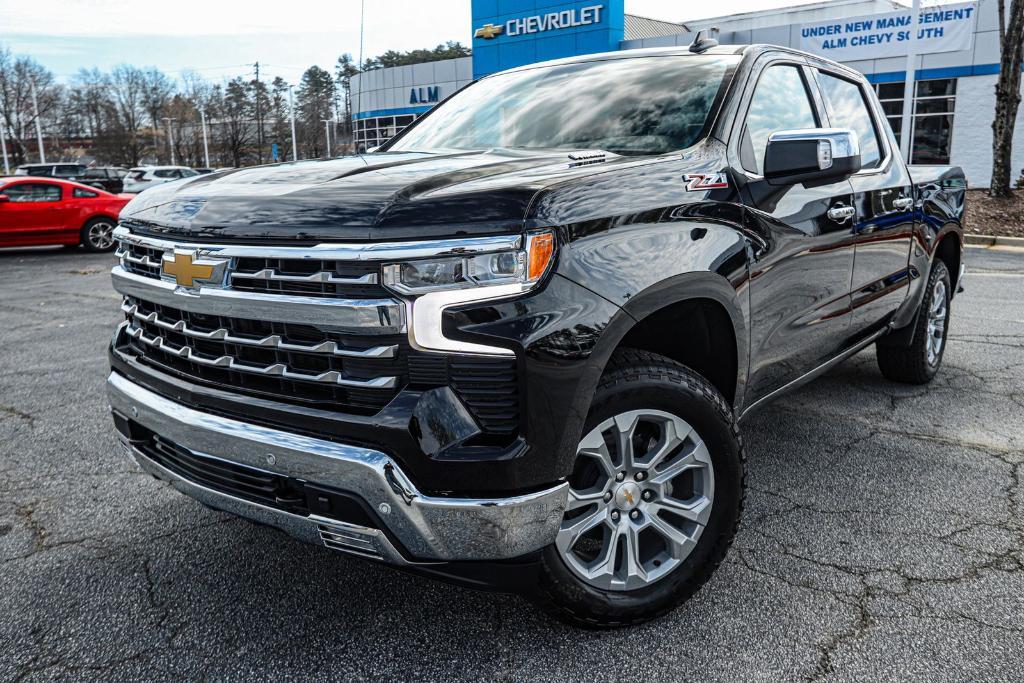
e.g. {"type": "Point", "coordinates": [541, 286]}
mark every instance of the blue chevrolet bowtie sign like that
{"type": "Point", "coordinates": [510, 33]}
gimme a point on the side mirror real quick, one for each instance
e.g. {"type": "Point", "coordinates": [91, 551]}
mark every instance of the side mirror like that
{"type": "Point", "coordinates": [815, 156]}
{"type": "Point", "coordinates": [4, 198]}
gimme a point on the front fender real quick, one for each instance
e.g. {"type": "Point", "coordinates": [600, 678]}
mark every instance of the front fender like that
{"type": "Point", "coordinates": [646, 267]}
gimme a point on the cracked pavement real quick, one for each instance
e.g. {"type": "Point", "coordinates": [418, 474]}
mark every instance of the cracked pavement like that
{"type": "Point", "coordinates": [883, 537]}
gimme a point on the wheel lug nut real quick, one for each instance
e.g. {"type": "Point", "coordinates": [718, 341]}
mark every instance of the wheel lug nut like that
{"type": "Point", "coordinates": [635, 514]}
{"type": "Point", "coordinates": [648, 495]}
{"type": "Point", "coordinates": [607, 496]}
{"type": "Point", "coordinates": [615, 515]}
{"type": "Point", "coordinates": [620, 476]}
{"type": "Point", "coordinates": [640, 476]}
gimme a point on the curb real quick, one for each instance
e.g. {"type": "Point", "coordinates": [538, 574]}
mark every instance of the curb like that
{"type": "Point", "coordinates": [993, 241]}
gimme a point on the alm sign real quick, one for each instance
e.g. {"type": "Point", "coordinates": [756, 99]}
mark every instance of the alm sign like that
{"type": "Point", "coordinates": [946, 28]}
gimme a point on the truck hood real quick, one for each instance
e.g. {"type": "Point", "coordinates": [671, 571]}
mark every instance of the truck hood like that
{"type": "Point", "coordinates": [368, 197]}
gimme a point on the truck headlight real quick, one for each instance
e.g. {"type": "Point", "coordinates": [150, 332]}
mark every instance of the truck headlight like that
{"type": "Point", "coordinates": [524, 266]}
{"type": "Point", "coordinates": [431, 285]}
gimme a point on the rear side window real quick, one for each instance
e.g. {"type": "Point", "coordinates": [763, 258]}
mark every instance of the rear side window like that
{"type": "Point", "coordinates": [67, 171]}
{"type": "Point", "coordinates": [166, 173]}
{"type": "Point", "coordinates": [33, 192]}
{"type": "Point", "coordinates": [96, 173]}
{"type": "Point", "coordinates": [848, 109]}
{"type": "Point", "coordinates": [779, 102]}
{"type": "Point", "coordinates": [137, 175]}
{"type": "Point", "coordinates": [79, 193]}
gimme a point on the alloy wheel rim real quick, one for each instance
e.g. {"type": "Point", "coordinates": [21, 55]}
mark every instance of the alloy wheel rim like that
{"type": "Point", "coordinates": [101, 235]}
{"type": "Point", "coordinates": [936, 328]}
{"type": "Point", "coordinates": [639, 499]}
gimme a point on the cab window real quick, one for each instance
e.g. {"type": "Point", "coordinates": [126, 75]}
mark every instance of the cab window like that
{"type": "Point", "coordinates": [66, 171]}
{"type": "Point", "coordinates": [847, 108]}
{"type": "Point", "coordinates": [780, 102]}
{"type": "Point", "coordinates": [33, 192]}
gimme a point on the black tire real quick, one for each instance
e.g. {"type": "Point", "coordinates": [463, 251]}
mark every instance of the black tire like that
{"type": "Point", "coordinates": [637, 380]}
{"type": "Point", "coordinates": [918, 362]}
{"type": "Point", "coordinates": [91, 239]}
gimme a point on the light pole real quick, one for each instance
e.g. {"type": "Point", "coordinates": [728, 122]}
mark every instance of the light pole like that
{"type": "Point", "coordinates": [291, 108]}
{"type": "Point", "coordinates": [206, 147]}
{"type": "Point", "coordinates": [170, 137]}
{"type": "Point", "coordinates": [39, 131]}
{"type": "Point", "coordinates": [327, 130]}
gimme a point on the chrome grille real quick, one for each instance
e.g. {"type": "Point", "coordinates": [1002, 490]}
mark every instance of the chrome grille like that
{"type": "Point", "coordinates": [312, 326]}
{"type": "Point", "coordinates": [140, 260]}
{"type": "Point", "coordinates": [304, 277]}
{"type": "Point", "coordinates": [307, 277]}
{"type": "Point", "coordinates": [273, 341]}
{"type": "Point", "coordinates": [285, 360]}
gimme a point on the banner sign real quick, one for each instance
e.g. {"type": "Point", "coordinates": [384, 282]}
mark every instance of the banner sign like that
{"type": "Point", "coordinates": [943, 28]}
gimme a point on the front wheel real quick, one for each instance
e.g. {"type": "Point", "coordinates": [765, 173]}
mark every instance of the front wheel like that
{"type": "Point", "coordinates": [918, 362]}
{"type": "Point", "coordinates": [655, 496]}
{"type": "Point", "coordinates": [98, 235]}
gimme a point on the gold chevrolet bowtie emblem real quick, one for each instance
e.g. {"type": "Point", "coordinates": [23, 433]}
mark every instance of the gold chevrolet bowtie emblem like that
{"type": "Point", "coordinates": [488, 31]}
{"type": "Point", "coordinates": [628, 495]}
{"type": "Point", "coordinates": [186, 268]}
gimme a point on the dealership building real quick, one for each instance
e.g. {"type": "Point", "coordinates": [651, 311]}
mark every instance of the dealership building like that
{"type": "Point", "coordinates": [956, 67]}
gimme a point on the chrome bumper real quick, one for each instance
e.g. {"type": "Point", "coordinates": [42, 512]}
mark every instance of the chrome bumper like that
{"type": "Point", "coordinates": [428, 529]}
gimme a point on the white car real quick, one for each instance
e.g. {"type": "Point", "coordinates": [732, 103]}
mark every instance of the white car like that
{"type": "Point", "coordinates": [138, 179]}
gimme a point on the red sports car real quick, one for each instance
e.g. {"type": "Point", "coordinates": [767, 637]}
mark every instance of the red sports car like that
{"type": "Point", "coordinates": [41, 211]}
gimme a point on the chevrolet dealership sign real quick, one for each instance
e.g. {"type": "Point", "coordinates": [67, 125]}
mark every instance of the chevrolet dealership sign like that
{"type": "Point", "coordinates": [511, 33]}
{"type": "Point", "coordinates": [945, 28]}
{"type": "Point", "coordinates": [539, 23]}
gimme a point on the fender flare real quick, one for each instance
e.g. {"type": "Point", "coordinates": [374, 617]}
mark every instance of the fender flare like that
{"type": "Point", "coordinates": [669, 292]}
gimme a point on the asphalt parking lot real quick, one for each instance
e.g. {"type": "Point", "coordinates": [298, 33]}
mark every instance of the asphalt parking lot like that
{"type": "Point", "coordinates": [883, 536]}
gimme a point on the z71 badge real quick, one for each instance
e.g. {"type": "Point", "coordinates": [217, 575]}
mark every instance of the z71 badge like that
{"type": "Point", "coordinates": [705, 181]}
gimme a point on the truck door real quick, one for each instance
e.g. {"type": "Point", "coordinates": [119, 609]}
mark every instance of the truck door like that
{"type": "Point", "coordinates": [883, 197]}
{"type": "Point", "coordinates": [800, 276]}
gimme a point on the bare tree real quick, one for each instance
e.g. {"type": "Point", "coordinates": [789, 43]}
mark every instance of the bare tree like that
{"type": "Point", "coordinates": [17, 113]}
{"type": "Point", "coordinates": [1011, 47]}
{"type": "Point", "coordinates": [128, 90]}
{"type": "Point", "coordinates": [157, 90]}
{"type": "Point", "coordinates": [237, 130]}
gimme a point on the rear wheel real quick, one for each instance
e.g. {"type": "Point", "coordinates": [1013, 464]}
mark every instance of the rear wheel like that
{"type": "Point", "coordinates": [98, 235]}
{"type": "Point", "coordinates": [654, 500]}
{"type": "Point", "coordinates": [918, 362]}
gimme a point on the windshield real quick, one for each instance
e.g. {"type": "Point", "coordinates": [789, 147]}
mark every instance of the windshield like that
{"type": "Point", "coordinates": [639, 105]}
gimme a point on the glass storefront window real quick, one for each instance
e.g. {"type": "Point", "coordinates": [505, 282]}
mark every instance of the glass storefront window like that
{"type": "Point", "coordinates": [931, 139]}
{"type": "Point", "coordinates": [373, 132]}
{"type": "Point", "coordinates": [932, 120]}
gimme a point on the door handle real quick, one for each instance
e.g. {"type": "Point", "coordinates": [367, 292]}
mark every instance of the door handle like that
{"type": "Point", "coordinates": [903, 203]}
{"type": "Point", "coordinates": [841, 213]}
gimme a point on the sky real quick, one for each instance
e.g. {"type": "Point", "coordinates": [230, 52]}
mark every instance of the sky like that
{"type": "Point", "coordinates": [221, 39]}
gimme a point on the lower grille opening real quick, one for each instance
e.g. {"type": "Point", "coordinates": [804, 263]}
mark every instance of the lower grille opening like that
{"type": "Point", "coordinates": [248, 483]}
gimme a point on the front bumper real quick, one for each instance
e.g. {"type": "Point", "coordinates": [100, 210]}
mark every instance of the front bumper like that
{"type": "Point", "coordinates": [413, 528]}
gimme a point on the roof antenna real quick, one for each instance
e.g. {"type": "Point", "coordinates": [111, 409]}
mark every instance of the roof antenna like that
{"type": "Point", "coordinates": [704, 41]}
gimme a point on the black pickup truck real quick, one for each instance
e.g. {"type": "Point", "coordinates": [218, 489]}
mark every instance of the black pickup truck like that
{"type": "Point", "coordinates": [513, 347]}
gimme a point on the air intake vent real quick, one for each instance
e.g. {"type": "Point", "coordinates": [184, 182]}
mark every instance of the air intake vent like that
{"type": "Point", "coordinates": [349, 539]}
